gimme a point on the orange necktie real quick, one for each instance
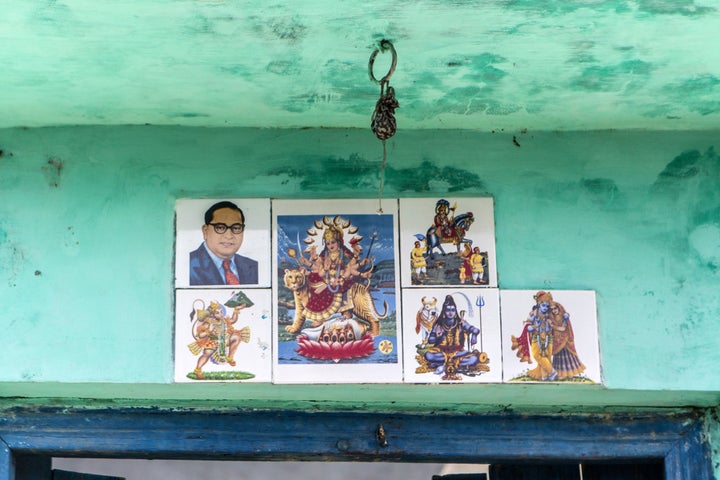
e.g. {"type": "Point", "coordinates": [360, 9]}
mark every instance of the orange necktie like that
{"type": "Point", "coordinates": [230, 278]}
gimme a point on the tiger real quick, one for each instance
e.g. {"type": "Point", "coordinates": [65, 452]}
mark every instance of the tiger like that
{"type": "Point", "coordinates": [358, 296]}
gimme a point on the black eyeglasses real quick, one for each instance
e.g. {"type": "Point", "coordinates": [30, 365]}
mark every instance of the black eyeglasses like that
{"type": "Point", "coordinates": [220, 228]}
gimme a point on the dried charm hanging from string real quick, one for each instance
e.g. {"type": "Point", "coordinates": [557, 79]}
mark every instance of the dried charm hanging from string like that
{"type": "Point", "coordinates": [383, 123]}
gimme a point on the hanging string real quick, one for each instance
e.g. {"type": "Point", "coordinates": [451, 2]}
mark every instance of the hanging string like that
{"type": "Point", "coordinates": [382, 179]}
{"type": "Point", "coordinates": [383, 122]}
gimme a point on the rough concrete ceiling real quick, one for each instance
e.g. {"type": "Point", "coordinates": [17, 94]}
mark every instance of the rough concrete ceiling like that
{"type": "Point", "coordinates": [483, 64]}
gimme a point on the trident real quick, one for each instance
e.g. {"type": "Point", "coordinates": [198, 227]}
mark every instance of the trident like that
{"type": "Point", "coordinates": [373, 237]}
{"type": "Point", "coordinates": [480, 302]}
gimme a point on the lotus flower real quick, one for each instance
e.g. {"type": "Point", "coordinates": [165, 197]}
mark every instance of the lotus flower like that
{"type": "Point", "coordinates": [336, 351]}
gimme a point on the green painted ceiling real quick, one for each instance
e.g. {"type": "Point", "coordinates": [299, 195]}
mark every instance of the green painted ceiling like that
{"type": "Point", "coordinates": [483, 64]}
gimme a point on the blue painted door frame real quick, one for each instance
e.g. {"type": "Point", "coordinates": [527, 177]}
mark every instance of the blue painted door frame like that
{"type": "Point", "coordinates": [238, 434]}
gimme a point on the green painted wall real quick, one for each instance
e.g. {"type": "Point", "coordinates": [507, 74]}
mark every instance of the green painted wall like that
{"type": "Point", "coordinates": [550, 64]}
{"type": "Point", "coordinates": [86, 252]}
{"type": "Point", "coordinates": [86, 249]}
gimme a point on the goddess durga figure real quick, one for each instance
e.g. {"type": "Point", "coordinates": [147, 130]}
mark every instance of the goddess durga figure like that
{"type": "Point", "coordinates": [335, 298]}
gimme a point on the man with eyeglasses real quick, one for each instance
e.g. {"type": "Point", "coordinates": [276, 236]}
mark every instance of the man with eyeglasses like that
{"type": "Point", "coordinates": [216, 261]}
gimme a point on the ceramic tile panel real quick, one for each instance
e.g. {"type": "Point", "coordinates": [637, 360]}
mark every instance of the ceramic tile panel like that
{"type": "Point", "coordinates": [336, 284]}
{"type": "Point", "coordinates": [452, 335]}
{"type": "Point", "coordinates": [197, 242]}
{"type": "Point", "coordinates": [550, 336]}
{"type": "Point", "coordinates": [223, 335]}
{"type": "Point", "coordinates": [447, 241]}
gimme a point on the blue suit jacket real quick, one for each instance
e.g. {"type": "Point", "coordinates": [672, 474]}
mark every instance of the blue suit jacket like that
{"type": "Point", "coordinates": [204, 272]}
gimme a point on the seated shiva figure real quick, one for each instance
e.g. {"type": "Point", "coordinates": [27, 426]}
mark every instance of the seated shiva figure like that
{"type": "Point", "coordinates": [451, 343]}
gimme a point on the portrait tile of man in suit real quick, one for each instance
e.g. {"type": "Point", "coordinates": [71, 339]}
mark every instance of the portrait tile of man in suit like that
{"type": "Point", "coordinates": [222, 243]}
{"type": "Point", "coordinates": [216, 261]}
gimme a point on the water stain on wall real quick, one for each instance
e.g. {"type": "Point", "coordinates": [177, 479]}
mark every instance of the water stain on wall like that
{"type": "Point", "coordinates": [684, 165]}
{"type": "Point", "coordinates": [484, 68]}
{"type": "Point", "coordinates": [602, 191]}
{"type": "Point", "coordinates": [284, 67]}
{"type": "Point", "coordinates": [688, 8]}
{"type": "Point", "coordinates": [582, 52]}
{"type": "Point", "coordinates": [334, 173]}
{"type": "Point", "coordinates": [698, 94]}
{"type": "Point", "coordinates": [200, 24]}
{"type": "Point", "coordinates": [290, 30]}
{"type": "Point", "coordinates": [235, 69]}
{"type": "Point", "coordinates": [643, 7]}
{"type": "Point", "coordinates": [689, 187]}
{"type": "Point", "coordinates": [54, 14]}
{"type": "Point", "coordinates": [691, 165]}
{"type": "Point", "coordinates": [480, 77]}
{"type": "Point", "coordinates": [627, 77]}
{"type": "Point", "coordinates": [428, 177]}
{"type": "Point", "coordinates": [344, 75]}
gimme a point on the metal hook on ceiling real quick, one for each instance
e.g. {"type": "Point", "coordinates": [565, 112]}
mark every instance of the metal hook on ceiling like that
{"type": "Point", "coordinates": [385, 45]}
